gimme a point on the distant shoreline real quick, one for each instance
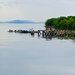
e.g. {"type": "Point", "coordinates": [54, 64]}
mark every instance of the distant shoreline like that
{"type": "Point", "coordinates": [22, 22]}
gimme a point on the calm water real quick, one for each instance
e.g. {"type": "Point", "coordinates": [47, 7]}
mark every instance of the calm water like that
{"type": "Point", "coordinates": [23, 54]}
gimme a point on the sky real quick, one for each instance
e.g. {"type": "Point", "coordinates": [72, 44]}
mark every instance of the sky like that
{"type": "Point", "coordinates": [35, 10]}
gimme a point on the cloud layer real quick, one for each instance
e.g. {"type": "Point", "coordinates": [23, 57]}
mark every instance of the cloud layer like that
{"type": "Point", "coordinates": [36, 10]}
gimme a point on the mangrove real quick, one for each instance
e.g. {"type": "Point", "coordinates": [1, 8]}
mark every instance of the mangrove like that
{"type": "Point", "coordinates": [62, 23]}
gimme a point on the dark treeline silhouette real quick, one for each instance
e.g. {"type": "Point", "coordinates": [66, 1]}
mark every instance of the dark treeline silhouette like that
{"type": "Point", "coordinates": [62, 23]}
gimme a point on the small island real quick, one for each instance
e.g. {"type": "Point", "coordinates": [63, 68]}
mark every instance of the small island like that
{"type": "Point", "coordinates": [62, 23]}
{"type": "Point", "coordinates": [64, 26]}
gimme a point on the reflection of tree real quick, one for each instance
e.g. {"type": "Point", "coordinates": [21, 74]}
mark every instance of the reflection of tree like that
{"type": "Point", "coordinates": [48, 38]}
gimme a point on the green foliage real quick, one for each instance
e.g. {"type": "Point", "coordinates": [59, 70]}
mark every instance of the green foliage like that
{"type": "Point", "coordinates": [50, 21]}
{"type": "Point", "coordinates": [66, 35]}
{"type": "Point", "coordinates": [64, 23]}
{"type": "Point", "coordinates": [72, 35]}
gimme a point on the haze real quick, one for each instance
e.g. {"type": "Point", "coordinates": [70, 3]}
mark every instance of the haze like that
{"type": "Point", "coordinates": [35, 10]}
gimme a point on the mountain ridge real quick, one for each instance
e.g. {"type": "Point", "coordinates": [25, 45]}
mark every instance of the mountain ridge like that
{"type": "Point", "coordinates": [21, 21]}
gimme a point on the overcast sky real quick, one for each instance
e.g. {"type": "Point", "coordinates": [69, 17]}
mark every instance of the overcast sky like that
{"type": "Point", "coordinates": [35, 10]}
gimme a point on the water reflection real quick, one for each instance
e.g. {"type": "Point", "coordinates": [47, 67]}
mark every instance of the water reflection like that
{"type": "Point", "coordinates": [47, 37]}
{"type": "Point", "coordinates": [58, 37]}
{"type": "Point", "coordinates": [27, 54]}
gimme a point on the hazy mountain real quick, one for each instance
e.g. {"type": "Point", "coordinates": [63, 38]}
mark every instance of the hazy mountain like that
{"type": "Point", "coordinates": [19, 21]}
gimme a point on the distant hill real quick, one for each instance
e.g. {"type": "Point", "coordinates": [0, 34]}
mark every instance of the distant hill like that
{"type": "Point", "coordinates": [19, 21]}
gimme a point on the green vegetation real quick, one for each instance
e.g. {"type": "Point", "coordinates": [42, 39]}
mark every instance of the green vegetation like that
{"type": "Point", "coordinates": [62, 23]}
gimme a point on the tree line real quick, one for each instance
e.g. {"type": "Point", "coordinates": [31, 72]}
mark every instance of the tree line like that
{"type": "Point", "coordinates": [62, 23]}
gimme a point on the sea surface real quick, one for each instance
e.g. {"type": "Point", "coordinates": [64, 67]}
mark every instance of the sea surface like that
{"type": "Point", "coordinates": [25, 54]}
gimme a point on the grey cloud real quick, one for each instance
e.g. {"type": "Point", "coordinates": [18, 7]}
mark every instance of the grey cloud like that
{"type": "Point", "coordinates": [11, 3]}
{"type": "Point", "coordinates": [68, 2]}
{"type": "Point", "coordinates": [8, 3]}
{"type": "Point", "coordinates": [35, 9]}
